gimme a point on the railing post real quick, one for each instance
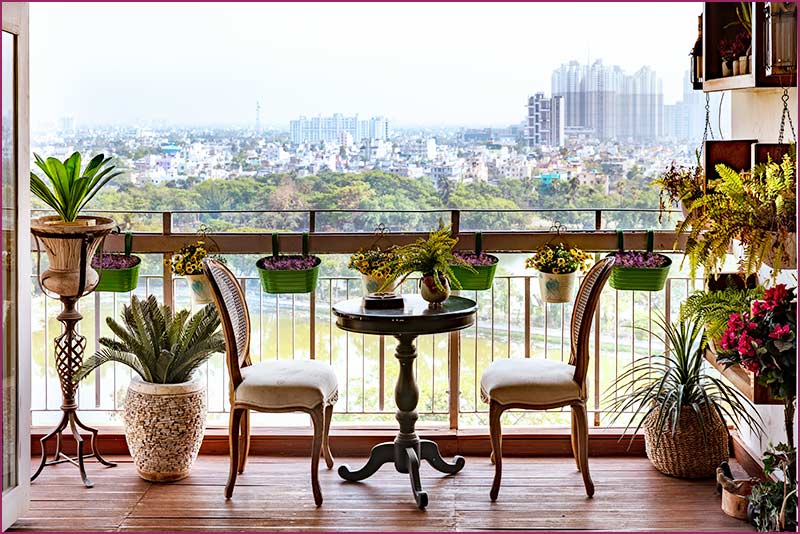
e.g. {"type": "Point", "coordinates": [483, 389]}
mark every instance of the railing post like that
{"type": "Point", "coordinates": [381, 371]}
{"type": "Point", "coordinates": [527, 301]}
{"type": "Point", "coordinates": [166, 229]}
{"type": "Point", "coordinates": [97, 393]}
{"type": "Point", "coordinates": [597, 358]}
{"type": "Point", "coordinates": [598, 219]}
{"type": "Point", "coordinates": [455, 222]}
{"type": "Point", "coordinates": [454, 366]}
{"type": "Point", "coordinates": [312, 304]}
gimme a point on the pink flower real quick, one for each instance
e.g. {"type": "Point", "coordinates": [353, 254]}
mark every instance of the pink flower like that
{"type": "Point", "coordinates": [774, 296]}
{"type": "Point", "coordinates": [779, 331]}
{"type": "Point", "coordinates": [751, 365]}
{"type": "Point", "coordinates": [735, 321]}
{"type": "Point", "coordinates": [757, 307]}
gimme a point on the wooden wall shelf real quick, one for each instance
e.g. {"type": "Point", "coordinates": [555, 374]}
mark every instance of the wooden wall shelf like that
{"type": "Point", "coordinates": [743, 380]}
{"type": "Point", "coordinates": [719, 22]}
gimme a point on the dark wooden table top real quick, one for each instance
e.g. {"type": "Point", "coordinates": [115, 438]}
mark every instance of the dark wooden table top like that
{"type": "Point", "coordinates": [414, 318]}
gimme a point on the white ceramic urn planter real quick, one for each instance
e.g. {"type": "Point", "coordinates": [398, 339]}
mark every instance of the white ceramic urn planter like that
{"type": "Point", "coordinates": [164, 427]}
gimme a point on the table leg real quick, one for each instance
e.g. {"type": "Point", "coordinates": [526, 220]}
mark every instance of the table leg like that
{"type": "Point", "coordinates": [430, 452]}
{"type": "Point", "coordinates": [412, 463]}
{"type": "Point", "coordinates": [379, 455]}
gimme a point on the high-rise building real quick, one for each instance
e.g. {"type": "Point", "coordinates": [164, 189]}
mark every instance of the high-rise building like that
{"type": "Point", "coordinates": [609, 102]}
{"type": "Point", "coordinates": [545, 121]}
{"type": "Point", "coordinates": [330, 129]}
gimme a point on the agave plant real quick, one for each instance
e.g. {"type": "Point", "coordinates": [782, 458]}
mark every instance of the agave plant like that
{"type": "Point", "coordinates": [162, 347]}
{"type": "Point", "coordinates": [664, 384]}
{"type": "Point", "coordinates": [71, 189]}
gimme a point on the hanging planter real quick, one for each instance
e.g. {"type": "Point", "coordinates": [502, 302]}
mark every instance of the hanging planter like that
{"type": "Point", "coordinates": [188, 262]}
{"type": "Point", "coordinates": [557, 288]}
{"type": "Point", "coordinates": [484, 266]}
{"type": "Point", "coordinates": [375, 266]}
{"type": "Point", "coordinates": [119, 273]}
{"type": "Point", "coordinates": [558, 265]}
{"type": "Point", "coordinates": [639, 271]}
{"type": "Point", "coordinates": [288, 274]}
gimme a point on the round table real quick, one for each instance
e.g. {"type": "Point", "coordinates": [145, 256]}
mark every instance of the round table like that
{"type": "Point", "coordinates": [414, 319]}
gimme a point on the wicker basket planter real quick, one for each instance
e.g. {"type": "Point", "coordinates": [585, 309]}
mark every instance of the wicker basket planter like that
{"type": "Point", "coordinates": [639, 278]}
{"type": "Point", "coordinates": [687, 454]}
{"type": "Point", "coordinates": [289, 281]}
{"type": "Point", "coordinates": [164, 427]}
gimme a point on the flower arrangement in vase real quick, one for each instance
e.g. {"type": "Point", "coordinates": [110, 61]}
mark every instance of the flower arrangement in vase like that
{"type": "Point", "coordinates": [375, 266]}
{"type": "Point", "coordinates": [558, 265]}
{"type": "Point", "coordinates": [730, 51]}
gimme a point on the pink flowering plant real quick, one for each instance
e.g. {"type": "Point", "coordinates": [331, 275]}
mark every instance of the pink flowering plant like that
{"type": "Point", "coordinates": [764, 340]}
{"type": "Point", "coordinates": [288, 263]}
{"type": "Point", "coordinates": [111, 261]}
{"type": "Point", "coordinates": [640, 260]}
{"type": "Point", "coordinates": [476, 260]}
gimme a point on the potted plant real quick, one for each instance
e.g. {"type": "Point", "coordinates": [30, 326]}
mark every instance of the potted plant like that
{"type": "Point", "coordinates": [481, 276]}
{"type": "Point", "coordinates": [772, 504]}
{"type": "Point", "coordinates": [639, 270]}
{"type": "Point", "coordinates": [165, 408]}
{"type": "Point", "coordinates": [713, 308]}
{"type": "Point", "coordinates": [729, 52]}
{"type": "Point", "coordinates": [433, 258]}
{"type": "Point", "coordinates": [288, 273]}
{"type": "Point", "coordinates": [763, 339]}
{"type": "Point", "coordinates": [70, 239]}
{"type": "Point", "coordinates": [757, 209]}
{"type": "Point", "coordinates": [187, 262]}
{"type": "Point", "coordinates": [680, 404]}
{"type": "Point", "coordinates": [558, 267]}
{"type": "Point", "coordinates": [680, 186]}
{"type": "Point", "coordinates": [119, 273]}
{"type": "Point", "coordinates": [375, 266]}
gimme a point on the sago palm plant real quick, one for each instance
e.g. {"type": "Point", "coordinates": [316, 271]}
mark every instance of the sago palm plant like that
{"type": "Point", "coordinates": [663, 385]}
{"type": "Point", "coordinates": [162, 347]}
{"type": "Point", "coordinates": [71, 189]}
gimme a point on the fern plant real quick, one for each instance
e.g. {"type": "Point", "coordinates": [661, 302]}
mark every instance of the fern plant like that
{"type": "Point", "coordinates": [430, 257]}
{"type": "Point", "coordinates": [758, 208]}
{"type": "Point", "coordinates": [162, 347]}
{"type": "Point", "coordinates": [713, 308]}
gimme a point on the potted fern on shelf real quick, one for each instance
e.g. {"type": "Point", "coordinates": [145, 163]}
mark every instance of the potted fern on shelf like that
{"type": "Point", "coordinates": [165, 408]}
{"type": "Point", "coordinates": [681, 405]}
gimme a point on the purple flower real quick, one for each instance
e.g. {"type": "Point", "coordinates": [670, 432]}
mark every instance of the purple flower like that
{"type": "Point", "coordinates": [474, 260]}
{"type": "Point", "coordinates": [114, 261]}
{"type": "Point", "coordinates": [288, 263]}
{"type": "Point", "coordinates": [640, 260]}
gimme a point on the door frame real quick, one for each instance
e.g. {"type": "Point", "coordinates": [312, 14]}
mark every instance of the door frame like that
{"type": "Point", "coordinates": [15, 17]}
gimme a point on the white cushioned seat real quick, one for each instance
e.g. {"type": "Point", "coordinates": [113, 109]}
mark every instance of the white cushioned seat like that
{"type": "Point", "coordinates": [287, 384]}
{"type": "Point", "coordinates": [530, 381]}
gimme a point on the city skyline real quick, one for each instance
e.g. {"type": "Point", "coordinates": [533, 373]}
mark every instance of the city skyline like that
{"type": "Point", "coordinates": [434, 65]}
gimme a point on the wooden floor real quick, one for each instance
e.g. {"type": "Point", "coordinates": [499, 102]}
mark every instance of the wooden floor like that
{"type": "Point", "coordinates": [275, 494]}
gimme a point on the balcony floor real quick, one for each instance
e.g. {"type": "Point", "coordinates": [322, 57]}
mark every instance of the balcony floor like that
{"type": "Point", "coordinates": [275, 494]}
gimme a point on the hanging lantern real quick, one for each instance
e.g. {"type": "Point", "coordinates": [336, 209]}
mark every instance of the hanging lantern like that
{"type": "Point", "coordinates": [781, 26]}
{"type": "Point", "coordinates": [696, 58]}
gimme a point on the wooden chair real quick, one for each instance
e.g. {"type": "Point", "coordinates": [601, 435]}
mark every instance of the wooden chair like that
{"type": "Point", "coordinates": [539, 384]}
{"type": "Point", "coordinates": [274, 386]}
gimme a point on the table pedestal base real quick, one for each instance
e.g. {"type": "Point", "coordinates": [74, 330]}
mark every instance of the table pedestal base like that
{"type": "Point", "coordinates": [406, 457]}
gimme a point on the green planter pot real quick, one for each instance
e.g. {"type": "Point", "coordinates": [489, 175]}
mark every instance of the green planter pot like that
{"type": "Point", "coordinates": [481, 279]}
{"type": "Point", "coordinates": [119, 280]}
{"type": "Point", "coordinates": [639, 278]}
{"type": "Point", "coordinates": [294, 281]}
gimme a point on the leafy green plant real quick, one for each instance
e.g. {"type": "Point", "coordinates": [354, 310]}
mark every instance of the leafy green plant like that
{"type": "Point", "coordinates": [680, 185]}
{"type": "Point", "coordinates": [758, 208]}
{"type": "Point", "coordinates": [664, 384]}
{"type": "Point", "coordinates": [773, 503]}
{"type": "Point", "coordinates": [713, 308]}
{"type": "Point", "coordinates": [430, 257]}
{"type": "Point", "coordinates": [162, 347]}
{"type": "Point", "coordinates": [71, 189]}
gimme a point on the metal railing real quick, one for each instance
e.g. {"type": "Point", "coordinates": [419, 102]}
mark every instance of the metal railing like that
{"type": "Point", "coordinates": [512, 322]}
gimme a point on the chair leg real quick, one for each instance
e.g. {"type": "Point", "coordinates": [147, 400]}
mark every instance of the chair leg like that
{"type": "Point", "coordinates": [318, 419]}
{"type": "Point", "coordinates": [574, 439]}
{"type": "Point", "coordinates": [496, 435]}
{"type": "Point", "coordinates": [582, 437]}
{"type": "Point", "coordinates": [244, 440]}
{"type": "Point", "coordinates": [326, 448]}
{"type": "Point", "coordinates": [233, 443]}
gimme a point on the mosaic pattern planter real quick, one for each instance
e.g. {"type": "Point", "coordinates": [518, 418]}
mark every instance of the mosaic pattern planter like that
{"type": "Point", "coordinates": [164, 426]}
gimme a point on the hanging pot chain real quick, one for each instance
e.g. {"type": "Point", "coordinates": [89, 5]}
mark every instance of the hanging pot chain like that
{"type": "Point", "coordinates": [786, 115]}
{"type": "Point", "coordinates": [708, 125]}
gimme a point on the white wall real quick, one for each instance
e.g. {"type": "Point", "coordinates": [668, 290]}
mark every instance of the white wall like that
{"type": "Point", "coordinates": [756, 114]}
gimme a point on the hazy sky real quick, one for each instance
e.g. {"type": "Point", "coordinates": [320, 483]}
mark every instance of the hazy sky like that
{"type": "Point", "coordinates": [418, 64]}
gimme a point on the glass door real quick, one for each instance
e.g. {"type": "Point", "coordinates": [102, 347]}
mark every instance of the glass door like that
{"type": "Point", "coordinates": [16, 264]}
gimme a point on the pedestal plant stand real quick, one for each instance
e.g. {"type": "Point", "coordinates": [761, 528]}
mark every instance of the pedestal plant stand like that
{"type": "Point", "coordinates": [69, 277]}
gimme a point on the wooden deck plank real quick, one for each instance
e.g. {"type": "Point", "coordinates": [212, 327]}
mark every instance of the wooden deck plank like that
{"type": "Point", "coordinates": [275, 494]}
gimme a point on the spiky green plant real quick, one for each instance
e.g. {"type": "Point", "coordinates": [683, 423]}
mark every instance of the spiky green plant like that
{"type": "Point", "coordinates": [664, 384]}
{"type": "Point", "coordinates": [713, 308]}
{"type": "Point", "coordinates": [758, 208]}
{"type": "Point", "coordinates": [162, 347]}
{"type": "Point", "coordinates": [71, 189]}
{"type": "Point", "coordinates": [432, 256]}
